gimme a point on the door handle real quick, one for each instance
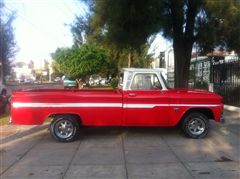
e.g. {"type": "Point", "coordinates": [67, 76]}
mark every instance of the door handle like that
{"type": "Point", "coordinates": [132, 94]}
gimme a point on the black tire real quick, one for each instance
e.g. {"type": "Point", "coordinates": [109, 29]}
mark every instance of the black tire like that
{"type": "Point", "coordinates": [65, 128]}
{"type": "Point", "coordinates": [195, 125]}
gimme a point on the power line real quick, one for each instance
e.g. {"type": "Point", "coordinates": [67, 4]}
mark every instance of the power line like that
{"type": "Point", "coordinates": [82, 9]}
{"type": "Point", "coordinates": [35, 26]}
{"type": "Point", "coordinates": [60, 9]}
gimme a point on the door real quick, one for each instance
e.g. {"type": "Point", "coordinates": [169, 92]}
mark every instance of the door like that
{"type": "Point", "coordinates": [145, 103]}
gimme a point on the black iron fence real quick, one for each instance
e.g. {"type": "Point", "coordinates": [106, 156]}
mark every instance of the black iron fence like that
{"type": "Point", "coordinates": [200, 73]}
{"type": "Point", "coordinates": [225, 76]}
{"type": "Point", "coordinates": [222, 72]}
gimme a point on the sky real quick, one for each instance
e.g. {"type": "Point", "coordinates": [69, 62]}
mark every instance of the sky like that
{"type": "Point", "coordinates": [41, 27]}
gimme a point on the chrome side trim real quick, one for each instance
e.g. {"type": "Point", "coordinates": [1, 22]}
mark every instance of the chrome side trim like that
{"type": "Point", "coordinates": [142, 105]}
{"type": "Point", "coordinates": [166, 105]}
{"type": "Point", "coordinates": [60, 105]}
{"type": "Point", "coordinates": [76, 105]}
{"type": "Point", "coordinates": [197, 105]}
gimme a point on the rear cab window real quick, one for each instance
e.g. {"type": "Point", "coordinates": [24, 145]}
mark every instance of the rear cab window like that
{"type": "Point", "coordinates": [145, 81]}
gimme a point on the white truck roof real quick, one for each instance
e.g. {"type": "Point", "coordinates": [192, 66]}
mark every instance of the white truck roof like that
{"type": "Point", "coordinates": [144, 69]}
{"type": "Point", "coordinates": [129, 74]}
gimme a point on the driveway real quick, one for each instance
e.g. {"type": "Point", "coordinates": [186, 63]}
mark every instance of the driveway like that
{"type": "Point", "coordinates": [115, 152]}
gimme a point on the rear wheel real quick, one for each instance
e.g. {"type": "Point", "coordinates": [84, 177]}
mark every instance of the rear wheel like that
{"type": "Point", "coordinates": [195, 125]}
{"type": "Point", "coordinates": [65, 128]}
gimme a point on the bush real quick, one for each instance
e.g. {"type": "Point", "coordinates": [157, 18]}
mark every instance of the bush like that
{"type": "Point", "coordinates": [201, 85]}
{"type": "Point", "coordinates": [114, 82]}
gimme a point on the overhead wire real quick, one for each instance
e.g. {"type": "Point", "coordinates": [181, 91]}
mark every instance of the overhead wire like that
{"type": "Point", "coordinates": [82, 10]}
{"type": "Point", "coordinates": [61, 10]}
{"type": "Point", "coordinates": [35, 26]}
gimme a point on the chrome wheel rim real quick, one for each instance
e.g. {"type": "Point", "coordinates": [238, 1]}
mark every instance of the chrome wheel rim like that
{"type": "Point", "coordinates": [196, 126]}
{"type": "Point", "coordinates": [64, 129]}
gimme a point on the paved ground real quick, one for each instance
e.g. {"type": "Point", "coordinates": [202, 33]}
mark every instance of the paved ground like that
{"type": "Point", "coordinates": [30, 152]}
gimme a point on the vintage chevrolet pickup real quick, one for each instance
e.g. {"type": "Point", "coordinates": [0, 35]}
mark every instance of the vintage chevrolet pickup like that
{"type": "Point", "coordinates": [142, 99]}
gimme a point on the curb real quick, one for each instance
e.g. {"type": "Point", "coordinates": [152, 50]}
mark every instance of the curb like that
{"type": "Point", "coordinates": [232, 108]}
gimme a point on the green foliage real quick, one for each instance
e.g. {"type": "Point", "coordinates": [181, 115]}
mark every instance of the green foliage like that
{"type": "Point", "coordinates": [80, 28]}
{"type": "Point", "coordinates": [223, 18]}
{"type": "Point", "coordinates": [101, 21]}
{"type": "Point", "coordinates": [56, 72]}
{"type": "Point", "coordinates": [141, 58]}
{"type": "Point", "coordinates": [201, 85]}
{"type": "Point", "coordinates": [7, 42]}
{"type": "Point", "coordinates": [83, 61]}
{"type": "Point", "coordinates": [128, 24]}
{"type": "Point", "coordinates": [114, 82]}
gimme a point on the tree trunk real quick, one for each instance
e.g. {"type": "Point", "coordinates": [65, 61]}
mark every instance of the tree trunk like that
{"type": "Point", "coordinates": [130, 58]}
{"type": "Point", "coordinates": [182, 58]}
{"type": "Point", "coordinates": [2, 73]}
{"type": "Point", "coordinates": [183, 39]}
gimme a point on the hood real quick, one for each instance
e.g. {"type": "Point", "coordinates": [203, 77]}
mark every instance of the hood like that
{"type": "Point", "coordinates": [189, 90]}
{"type": "Point", "coordinates": [195, 93]}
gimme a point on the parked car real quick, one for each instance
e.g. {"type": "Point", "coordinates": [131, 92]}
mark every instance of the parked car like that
{"type": "Point", "coordinates": [142, 99]}
{"type": "Point", "coordinates": [57, 79]}
{"type": "Point", "coordinates": [69, 82]}
{"type": "Point", "coordinates": [28, 80]}
{"type": "Point", "coordinates": [94, 80]}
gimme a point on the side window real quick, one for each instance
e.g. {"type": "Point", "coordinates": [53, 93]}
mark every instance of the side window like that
{"type": "Point", "coordinates": [146, 81]}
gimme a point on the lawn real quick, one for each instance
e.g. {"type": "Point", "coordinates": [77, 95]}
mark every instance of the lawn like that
{"type": "Point", "coordinates": [4, 119]}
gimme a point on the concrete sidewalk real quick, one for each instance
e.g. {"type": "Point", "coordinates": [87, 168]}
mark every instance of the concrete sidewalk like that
{"type": "Point", "coordinates": [115, 152]}
{"type": "Point", "coordinates": [232, 108]}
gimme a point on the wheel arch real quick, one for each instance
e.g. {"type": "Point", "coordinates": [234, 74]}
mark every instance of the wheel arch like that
{"type": "Point", "coordinates": [206, 111]}
{"type": "Point", "coordinates": [77, 116]}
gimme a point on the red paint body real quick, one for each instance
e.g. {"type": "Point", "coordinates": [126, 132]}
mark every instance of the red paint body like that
{"type": "Point", "coordinates": [135, 107]}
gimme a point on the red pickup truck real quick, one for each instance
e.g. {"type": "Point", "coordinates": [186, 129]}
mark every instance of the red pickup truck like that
{"type": "Point", "coordinates": [142, 99]}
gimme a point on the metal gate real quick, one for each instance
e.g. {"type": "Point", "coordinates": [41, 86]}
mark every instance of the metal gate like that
{"type": "Point", "coordinates": [225, 76]}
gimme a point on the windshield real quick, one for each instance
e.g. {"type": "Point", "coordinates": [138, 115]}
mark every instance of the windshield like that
{"type": "Point", "coordinates": [69, 78]}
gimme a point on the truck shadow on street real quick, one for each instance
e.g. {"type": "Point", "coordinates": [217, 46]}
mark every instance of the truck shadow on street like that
{"type": "Point", "coordinates": [22, 134]}
{"type": "Point", "coordinates": [108, 131]}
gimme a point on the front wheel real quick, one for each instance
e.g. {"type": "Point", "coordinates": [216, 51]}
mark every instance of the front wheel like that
{"type": "Point", "coordinates": [195, 125]}
{"type": "Point", "coordinates": [65, 128]}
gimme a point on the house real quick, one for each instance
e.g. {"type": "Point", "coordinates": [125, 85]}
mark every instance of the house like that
{"type": "Point", "coordinates": [23, 72]}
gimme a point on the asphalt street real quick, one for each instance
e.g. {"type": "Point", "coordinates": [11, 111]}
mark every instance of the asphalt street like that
{"type": "Point", "coordinates": [116, 152]}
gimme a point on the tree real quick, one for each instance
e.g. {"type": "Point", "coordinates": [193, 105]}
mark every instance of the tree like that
{"type": "Point", "coordinates": [129, 24]}
{"type": "Point", "coordinates": [55, 71]}
{"type": "Point", "coordinates": [83, 61]}
{"type": "Point", "coordinates": [204, 22]}
{"type": "Point", "coordinates": [126, 23]}
{"type": "Point", "coordinates": [223, 26]}
{"type": "Point", "coordinates": [80, 29]}
{"type": "Point", "coordinates": [7, 42]}
{"type": "Point", "coordinates": [90, 28]}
